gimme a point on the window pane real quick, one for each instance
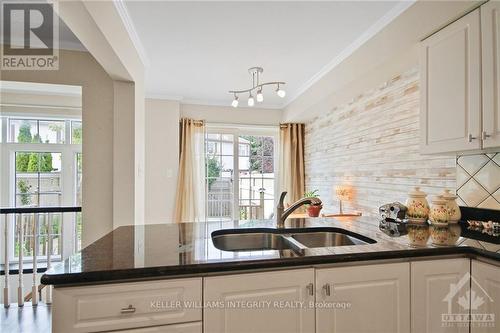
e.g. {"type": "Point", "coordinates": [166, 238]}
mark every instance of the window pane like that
{"type": "Point", "coordinates": [48, 200]}
{"type": "Point", "coordinates": [227, 148]}
{"type": "Point", "coordinates": [22, 130]}
{"type": "Point", "coordinates": [78, 182]}
{"type": "Point", "coordinates": [268, 146]}
{"type": "Point", "coordinates": [211, 136]}
{"type": "Point", "coordinates": [51, 131]}
{"type": "Point", "coordinates": [26, 200]}
{"type": "Point", "coordinates": [76, 132]}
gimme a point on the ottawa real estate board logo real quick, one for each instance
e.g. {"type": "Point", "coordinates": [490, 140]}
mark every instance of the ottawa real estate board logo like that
{"type": "Point", "coordinates": [30, 36]}
{"type": "Point", "coordinates": [474, 308]}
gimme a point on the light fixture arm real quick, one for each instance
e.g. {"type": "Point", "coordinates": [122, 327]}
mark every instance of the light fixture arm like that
{"type": "Point", "coordinates": [255, 87]}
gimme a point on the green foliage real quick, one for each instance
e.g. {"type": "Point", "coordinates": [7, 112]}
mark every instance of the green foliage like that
{"type": "Point", "coordinates": [311, 194]}
{"type": "Point", "coordinates": [31, 162]}
{"type": "Point", "coordinates": [77, 135]}
{"type": "Point", "coordinates": [22, 161]}
{"type": "Point", "coordinates": [40, 162]}
{"type": "Point", "coordinates": [213, 170]}
{"type": "Point", "coordinates": [24, 189]}
{"type": "Point", "coordinates": [24, 135]}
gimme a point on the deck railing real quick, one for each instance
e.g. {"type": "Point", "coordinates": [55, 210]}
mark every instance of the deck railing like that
{"type": "Point", "coordinates": [22, 239]}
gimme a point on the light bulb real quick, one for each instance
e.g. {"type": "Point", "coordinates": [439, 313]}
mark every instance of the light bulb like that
{"type": "Point", "coordinates": [251, 101]}
{"type": "Point", "coordinates": [281, 93]}
{"type": "Point", "coordinates": [235, 102]}
{"type": "Point", "coordinates": [260, 97]}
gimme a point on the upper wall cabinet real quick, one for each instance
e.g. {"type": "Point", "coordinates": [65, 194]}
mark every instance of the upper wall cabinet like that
{"type": "Point", "coordinates": [490, 29]}
{"type": "Point", "coordinates": [450, 72]}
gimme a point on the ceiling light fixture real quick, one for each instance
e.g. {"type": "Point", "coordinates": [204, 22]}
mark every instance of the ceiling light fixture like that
{"type": "Point", "coordinates": [257, 86]}
{"type": "Point", "coordinates": [235, 102]}
{"type": "Point", "coordinates": [251, 101]}
{"type": "Point", "coordinates": [281, 93]}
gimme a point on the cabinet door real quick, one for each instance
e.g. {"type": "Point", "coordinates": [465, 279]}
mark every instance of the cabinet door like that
{"type": "Point", "coordinates": [485, 298]}
{"type": "Point", "coordinates": [194, 327]}
{"type": "Point", "coordinates": [490, 30]}
{"type": "Point", "coordinates": [261, 302]}
{"type": "Point", "coordinates": [450, 69]}
{"type": "Point", "coordinates": [374, 298]}
{"type": "Point", "coordinates": [437, 286]}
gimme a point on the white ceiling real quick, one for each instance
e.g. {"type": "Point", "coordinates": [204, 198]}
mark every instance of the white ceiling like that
{"type": "Point", "coordinates": [197, 51]}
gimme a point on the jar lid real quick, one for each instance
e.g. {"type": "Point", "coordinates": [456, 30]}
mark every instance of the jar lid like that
{"type": "Point", "coordinates": [416, 193]}
{"type": "Point", "coordinates": [447, 195]}
{"type": "Point", "coordinates": [438, 200]}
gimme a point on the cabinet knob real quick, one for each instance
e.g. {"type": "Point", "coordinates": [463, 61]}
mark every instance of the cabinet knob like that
{"type": "Point", "coordinates": [327, 290]}
{"type": "Point", "coordinates": [485, 135]}
{"type": "Point", "coordinates": [471, 137]}
{"type": "Point", "coordinates": [129, 309]}
{"type": "Point", "coordinates": [310, 288]}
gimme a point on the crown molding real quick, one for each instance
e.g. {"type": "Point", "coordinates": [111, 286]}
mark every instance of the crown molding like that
{"type": "Point", "coordinates": [349, 50]}
{"type": "Point", "coordinates": [121, 7]}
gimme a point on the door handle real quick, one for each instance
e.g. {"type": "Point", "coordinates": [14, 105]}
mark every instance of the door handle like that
{"type": "Point", "coordinates": [485, 135]}
{"type": "Point", "coordinates": [470, 137]}
{"type": "Point", "coordinates": [327, 290]}
{"type": "Point", "coordinates": [310, 289]}
{"type": "Point", "coordinates": [129, 309]}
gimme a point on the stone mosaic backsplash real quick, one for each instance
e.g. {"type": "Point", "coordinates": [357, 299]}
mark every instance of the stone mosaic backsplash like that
{"type": "Point", "coordinates": [478, 180]}
{"type": "Point", "coordinates": [372, 144]}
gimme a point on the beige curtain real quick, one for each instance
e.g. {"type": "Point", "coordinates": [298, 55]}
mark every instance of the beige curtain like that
{"type": "Point", "coordinates": [190, 202]}
{"type": "Point", "coordinates": [291, 172]}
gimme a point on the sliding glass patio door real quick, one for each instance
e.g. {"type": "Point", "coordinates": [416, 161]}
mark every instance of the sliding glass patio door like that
{"type": "Point", "coordinates": [241, 180]}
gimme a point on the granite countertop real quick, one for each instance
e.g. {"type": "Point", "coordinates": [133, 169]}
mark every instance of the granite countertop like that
{"type": "Point", "coordinates": [174, 250]}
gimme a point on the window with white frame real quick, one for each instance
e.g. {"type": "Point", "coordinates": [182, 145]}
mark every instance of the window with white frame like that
{"type": "Point", "coordinates": [41, 167]}
{"type": "Point", "coordinates": [241, 178]}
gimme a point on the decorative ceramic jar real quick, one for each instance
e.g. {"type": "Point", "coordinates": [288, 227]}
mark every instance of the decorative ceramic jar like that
{"type": "Point", "coordinates": [445, 234]}
{"type": "Point", "coordinates": [439, 211]}
{"type": "Point", "coordinates": [418, 207]}
{"type": "Point", "coordinates": [418, 234]}
{"type": "Point", "coordinates": [454, 214]}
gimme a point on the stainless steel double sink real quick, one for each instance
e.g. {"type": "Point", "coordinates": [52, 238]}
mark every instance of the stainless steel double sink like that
{"type": "Point", "coordinates": [285, 239]}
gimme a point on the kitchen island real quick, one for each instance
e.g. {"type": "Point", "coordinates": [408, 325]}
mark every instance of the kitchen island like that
{"type": "Point", "coordinates": [173, 278]}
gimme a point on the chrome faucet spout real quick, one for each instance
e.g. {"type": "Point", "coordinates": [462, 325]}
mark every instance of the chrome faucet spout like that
{"type": "Point", "coordinates": [282, 214]}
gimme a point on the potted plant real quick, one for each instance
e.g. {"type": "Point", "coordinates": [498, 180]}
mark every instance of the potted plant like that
{"type": "Point", "coordinates": [313, 210]}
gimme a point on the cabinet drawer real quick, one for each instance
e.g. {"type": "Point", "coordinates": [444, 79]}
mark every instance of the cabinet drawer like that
{"type": "Point", "coordinates": [126, 305]}
{"type": "Point", "coordinates": [175, 328]}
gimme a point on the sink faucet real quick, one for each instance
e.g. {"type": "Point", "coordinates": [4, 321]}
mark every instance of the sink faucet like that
{"type": "Point", "coordinates": [282, 213]}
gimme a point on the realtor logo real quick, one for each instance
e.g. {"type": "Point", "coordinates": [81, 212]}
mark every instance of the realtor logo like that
{"type": "Point", "coordinates": [30, 36]}
{"type": "Point", "coordinates": [472, 300]}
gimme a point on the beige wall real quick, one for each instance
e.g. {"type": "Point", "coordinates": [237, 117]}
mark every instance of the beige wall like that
{"type": "Point", "coordinates": [80, 68]}
{"type": "Point", "coordinates": [100, 28]}
{"type": "Point", "coordinates": [372, 144]}
{"type": "Point", "coordinates": [162, 159]}
{"type": "Point", "coordinates": [230, 115]}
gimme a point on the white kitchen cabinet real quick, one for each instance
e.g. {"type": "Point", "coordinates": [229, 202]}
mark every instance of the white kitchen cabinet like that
{"type": "Point", "coordinates": [490, 30]}
{"type": "Point", "coordinates": [450, 69]}
{"type": "Point", "coordinates": [379, 298]}
{"type": "Point", "coordinates": [126, 305]}
{"type": "Point", "coordinates": [433, 294]}
{"type": "Point", "coordinates": [485, 298]}
{"type": "Point", "coordinates": [259, 302]}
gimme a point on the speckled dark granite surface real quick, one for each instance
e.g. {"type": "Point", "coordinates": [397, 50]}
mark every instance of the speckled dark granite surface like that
{"type": "Point", "coordinates": [173, 250]}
